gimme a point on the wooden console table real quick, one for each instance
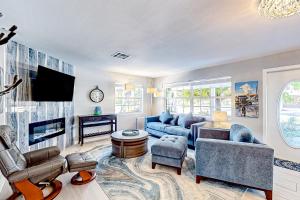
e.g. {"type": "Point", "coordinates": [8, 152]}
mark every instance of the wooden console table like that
{"type": "Point", "coordinates": [86, 121]}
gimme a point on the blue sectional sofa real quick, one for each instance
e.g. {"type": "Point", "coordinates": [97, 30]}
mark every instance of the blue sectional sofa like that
{"type": "Point", "coordinates": [156, 128]}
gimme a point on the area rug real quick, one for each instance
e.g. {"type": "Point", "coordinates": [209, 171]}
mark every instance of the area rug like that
{"type": "Point", "coordinates": [134, 179]}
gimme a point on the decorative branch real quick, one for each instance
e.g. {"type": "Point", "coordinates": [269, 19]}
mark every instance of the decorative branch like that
{"type": "Point", "coordinates": [11, 87]}
{"type": "Point", "coordinates": [9, 35]}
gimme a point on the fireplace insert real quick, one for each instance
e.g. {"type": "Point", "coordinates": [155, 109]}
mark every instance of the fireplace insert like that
{"type": "Point", "coordinates": [44, 130]}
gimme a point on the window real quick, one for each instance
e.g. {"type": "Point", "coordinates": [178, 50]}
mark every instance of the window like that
{"type": "Point", "coordinates": [289, 114]}
{"type": "Point", "coordinates": [178, 99]}
{"type": "Point", "coordinates": [199, 98]}
{"type": "Point", "coordinates": [128, 101]}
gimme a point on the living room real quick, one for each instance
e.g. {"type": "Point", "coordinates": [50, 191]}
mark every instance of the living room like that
{"type": "Point", "coordinates": [150, 99]}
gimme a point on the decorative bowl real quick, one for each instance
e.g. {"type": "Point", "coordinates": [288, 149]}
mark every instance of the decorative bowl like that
{"type": "Point", "coordinates": [130, 132]}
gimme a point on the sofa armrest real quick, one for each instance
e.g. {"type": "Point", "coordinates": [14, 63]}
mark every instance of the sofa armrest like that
{"type": "Point", "coordinates": [40, 155]}
{"type": "Point", "coordinates": [241, 163]}
{"type": "Point", "coordinates": [151, 119]}
{"type": "Point", "coordinates": [195, 130]}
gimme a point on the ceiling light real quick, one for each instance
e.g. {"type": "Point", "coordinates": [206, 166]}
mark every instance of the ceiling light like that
{"type": "Point", "coordinates": [278, 8]}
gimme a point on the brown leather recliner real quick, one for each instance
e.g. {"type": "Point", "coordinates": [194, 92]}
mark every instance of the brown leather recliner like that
{"type": "Point", "coordinates": [26, 171]}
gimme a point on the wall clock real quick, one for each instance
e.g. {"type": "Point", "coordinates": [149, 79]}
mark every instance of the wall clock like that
{"type": "Point", "coordinates": [96, 95]}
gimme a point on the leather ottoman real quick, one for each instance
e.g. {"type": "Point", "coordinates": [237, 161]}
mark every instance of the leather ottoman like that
{"type": "Point", "coordinates": [82, 163]}
{"type": "Point", "coordinates": [169, 150]}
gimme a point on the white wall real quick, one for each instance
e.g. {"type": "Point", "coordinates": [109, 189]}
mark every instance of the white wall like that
{"type": "Point", "coordinates": [87, 79]}
{"type": "Point", "coordinates": [239, 71]}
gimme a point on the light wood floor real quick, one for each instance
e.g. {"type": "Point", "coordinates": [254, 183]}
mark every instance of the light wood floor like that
{"type": "Point", "coordinates": [93, 191]}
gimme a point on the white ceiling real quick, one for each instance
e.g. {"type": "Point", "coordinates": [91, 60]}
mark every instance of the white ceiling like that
{"type": "Point", "coordinates": [162, 36]}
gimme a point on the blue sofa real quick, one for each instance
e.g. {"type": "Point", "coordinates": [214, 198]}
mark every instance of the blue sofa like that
{"type": "Point", "coordinates": [241, 159]}
{"type": "Point", "coordinates": [156, 128]}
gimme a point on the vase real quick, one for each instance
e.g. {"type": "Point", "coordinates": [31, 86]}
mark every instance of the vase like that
{"type": "Point", "coordinates": [97, 110]}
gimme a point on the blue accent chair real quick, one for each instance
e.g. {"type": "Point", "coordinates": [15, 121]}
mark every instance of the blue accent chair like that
{"type": "Point", "coordinates": [239, 162]}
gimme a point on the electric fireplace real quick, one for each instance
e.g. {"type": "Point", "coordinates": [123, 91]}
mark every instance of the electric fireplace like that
{"type": "Point", "coordinates": [44, 130]}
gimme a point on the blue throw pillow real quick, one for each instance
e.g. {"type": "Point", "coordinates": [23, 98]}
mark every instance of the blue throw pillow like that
{"type": "Point", "coordinates": [240, 133]}
{"type": "Point", "coordinates": [174, 121]}
{"type": "Point", "coordinates": [184, 120]}
{"type": "Point", "coordinates": [165, 117]}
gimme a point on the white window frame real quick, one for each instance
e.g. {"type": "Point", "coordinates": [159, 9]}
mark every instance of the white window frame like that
{"type": "Point", "coordinates": [212, 84]}
{"type": "Point", "coordinates": [129, 98]}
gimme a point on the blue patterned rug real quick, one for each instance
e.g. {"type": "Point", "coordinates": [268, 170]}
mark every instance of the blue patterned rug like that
{"type": "Point", "coordinates": [287, 164]}
{"type": "Point", "coordinates": [134, 179]}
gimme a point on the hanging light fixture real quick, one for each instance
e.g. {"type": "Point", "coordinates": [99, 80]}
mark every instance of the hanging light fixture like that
{"type": "Point", "coordinates": [278, 8]}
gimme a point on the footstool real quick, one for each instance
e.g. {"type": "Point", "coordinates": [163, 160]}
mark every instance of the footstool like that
{"type": "Point", "coordinates": [81, 163]}
{"type": "Point", "coordinates": [169, 150]}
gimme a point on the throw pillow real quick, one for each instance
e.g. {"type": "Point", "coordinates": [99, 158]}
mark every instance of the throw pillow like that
{"type": "Point", "coordinates": [165, 117]}
{"type": "Point", "coordinates": [184, 120]}
{"type": "Point", "coordinates": [194, 120]}
{"type": "Point", "coordinates": [174, 121]}
{"type": "Point", "coordinates": [240, 133]}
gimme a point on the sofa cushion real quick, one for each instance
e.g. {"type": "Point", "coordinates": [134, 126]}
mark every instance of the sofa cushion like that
{"type": "Point", "coordinates": [185, 119]}
{"type": "Point", "coordinates": [178, 130]}
{"type": "Point", "coordinates": [165, 117]}
{"type": "Point", "coordinates": [240, 133]}
{"type": "Point", "coordinates": [170, 146]}
{"type": "Point", "coordinates": [157, 126]}
{"type": "Point", "coordinates": [174, 121]}
{"type": "Point", "coordinates": [81, 161]}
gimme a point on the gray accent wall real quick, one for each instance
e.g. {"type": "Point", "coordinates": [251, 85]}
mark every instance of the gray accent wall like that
{"type": "Point", "coordinates": [239, 71]}
{"type": "Point", "coordinates": [20, 109]}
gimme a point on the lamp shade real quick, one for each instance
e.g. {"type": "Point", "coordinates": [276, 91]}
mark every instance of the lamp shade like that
{"type": "Point", "coordinates": [129, 86]}
{"type": "Point", "coordinates": [219, 116]}
{"type": "Point", "coordinates": [151, 90]}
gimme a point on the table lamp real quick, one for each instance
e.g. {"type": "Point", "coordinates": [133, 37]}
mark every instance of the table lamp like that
{"type": "Point", "coordinates": [220, 116]}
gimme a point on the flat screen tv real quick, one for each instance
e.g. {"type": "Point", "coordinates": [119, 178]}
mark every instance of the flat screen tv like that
{"type": "Point", "coordinates": [51, 85]}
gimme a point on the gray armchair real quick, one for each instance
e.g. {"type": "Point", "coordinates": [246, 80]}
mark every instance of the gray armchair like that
{"type": "Point", "coordinates": [248, 164]}
{"type": "Point", "coordinates": [24, 172]}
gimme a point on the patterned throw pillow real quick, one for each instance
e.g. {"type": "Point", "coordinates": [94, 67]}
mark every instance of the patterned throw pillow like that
{"type": "Point", "coordinates": [165, 117]}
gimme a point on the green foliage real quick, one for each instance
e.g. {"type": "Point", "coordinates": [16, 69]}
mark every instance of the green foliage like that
{"type": "Point", "coordinates": [186, 93]}
{"type": "Point", "coordinates": [296, 85]}
{"type": "Point", "coordinates": [204, 92]}
{"type": "Point", "coordinates": [287, 98]}
{"type": "Point", "coordinates": [223, 91]}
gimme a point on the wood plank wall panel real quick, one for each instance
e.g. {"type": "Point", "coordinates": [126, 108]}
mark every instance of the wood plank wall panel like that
{"type": "Point", "coordinates": [24, 62]}
{"type": "Point", "coordinates": [10, 71]}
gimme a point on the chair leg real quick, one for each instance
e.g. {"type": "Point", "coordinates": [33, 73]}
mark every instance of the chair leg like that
{"type": "Point", "coordinates": [153, 165]}
{"type": "Point", "coordinates": [179, 171]}
{"type": "Point", "coordinates": [269, 194]}
{"type": "Point", "coordinates": [198, 179]}
{"type": "Point", "coordinates": [33, 192]}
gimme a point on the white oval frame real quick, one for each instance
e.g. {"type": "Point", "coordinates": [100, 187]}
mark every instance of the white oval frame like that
{"type": "Point", "coordinates": [278, 114]}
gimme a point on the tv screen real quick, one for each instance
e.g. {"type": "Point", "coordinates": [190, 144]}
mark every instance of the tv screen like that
{"type": "Point", "coordinates": [51, 85]}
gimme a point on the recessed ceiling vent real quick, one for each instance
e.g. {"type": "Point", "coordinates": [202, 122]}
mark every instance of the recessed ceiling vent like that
{"type": "Point", "coordinates": [120, 55]}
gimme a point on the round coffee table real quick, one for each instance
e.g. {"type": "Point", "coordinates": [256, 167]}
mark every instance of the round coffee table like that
{"type": "Point", "coordinates": [129, 146]}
